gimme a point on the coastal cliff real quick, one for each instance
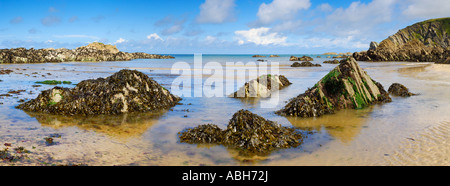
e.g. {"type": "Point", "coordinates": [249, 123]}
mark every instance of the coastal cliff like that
{"type": "Point", "coordinates": [427, 41]}
{"type": "Point", "coordinates": [90, 53]}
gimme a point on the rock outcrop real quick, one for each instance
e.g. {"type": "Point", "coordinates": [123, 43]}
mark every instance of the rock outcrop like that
{"type": "Point", "coordinates": [427, 41]}
{"type": "Point", "coordinates": [258, 56]}
{"type": "Point", "coordinates": [345, 87]}
{"type": "Point", "coordinates": [397, 89]}
{"type": "Point", "coordinates": [305, 64]}
{"type": "Point", "coordinates": [303, 58]}
{"type": "Point", "coordinates": [262, 86]}
{"type": "Point", "coordinates": [90, 53]}
{"type": "Point", "coordinates": [249, 133]}
{"type": "Point", "coordinates": [123, 92]}
{"type": "Point", "coordinates": [334, 61]}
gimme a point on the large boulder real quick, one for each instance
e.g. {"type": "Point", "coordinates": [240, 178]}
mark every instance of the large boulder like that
{"type": "Point", "coordinates": [247, 132]}
{"type": "Point", "coordinates": [346, 86]}
{"type": "Point", "coordinates": [397, 89]}
{"type": "Point", "coordinates": [262, 86]}
{"type": "Point", "coordinates": [124, 92]}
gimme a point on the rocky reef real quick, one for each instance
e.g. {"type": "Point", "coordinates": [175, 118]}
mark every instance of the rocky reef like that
{"type": "Point", "coordinates": [246, 132]}
{"type": "Point", "coordinates": [427, 41]}
{"type": "Point", "coordinates": [90, 53]}
{"type": "Point", "coordinates": [305, 64]}
{"type": "Point", "coordinates": [303, 58]}
{"type": "Point", "coordinates": [397, 89]}
{"type": "Point", "coordinates": [258, 56]}
{"type": "Point", "coordinates": [347, 86]}
{"type": "Point", "coordinates": [262, 86]}
{"type": "Point", "coordinates": [126, 91]}
{"type": "Point", "coordinates": [334, 61]}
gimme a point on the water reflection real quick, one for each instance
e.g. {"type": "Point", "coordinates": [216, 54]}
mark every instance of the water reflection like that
{"type": "Point", "coordinates": [413, 69]}
{"type": "Point", "coordinates": [343, 125]}
{"type": "Point", "coordinates": [118, 126]}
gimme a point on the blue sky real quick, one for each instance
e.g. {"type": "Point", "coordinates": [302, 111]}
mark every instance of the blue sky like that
{"type": "Point", "coordinates": [211, 26]}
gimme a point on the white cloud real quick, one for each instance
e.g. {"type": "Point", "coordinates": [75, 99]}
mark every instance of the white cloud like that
{"type": "Point", "coordinates": [171, 25]}
{"type": "Point", "coordinates": [260, 36]}
{"type": "Point", "coordinates": [154, 36]}
{"type": "Point", "coordinates": [340, 42]}
{"type": "Point", "coordinates": [210, 39]}
{"type": "Point", "coordinates": [216, 11]}
{"type": "Point", "coordinates": [280, 9]}
{"type": "Point", "coordinates": [325, 7]}
{"type": "Point", "coordinates": [120, 40]}
{"type": "Point", "coordinates": [427, 8]}
{"type": "Point", "coordinates": [359, 19]}
{"type": "Point", "coordinates": [173, 29]}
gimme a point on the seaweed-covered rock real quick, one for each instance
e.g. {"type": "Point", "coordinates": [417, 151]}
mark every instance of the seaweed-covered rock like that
{"type": "Point", "coordinates": [247, 132]}
{"type": "Point", "coordinates": [123, 92]}
{"type": "Point", "coordinates": [93, 52]}
{"type": "Point", "coordinates": [305, 64]}
{"type": "Point", "coordinates": [303, 58]}
{"type": "Point", "coordinates": [258, 56]}
{"type": "Point", "coordinates": [208, 133]}
{"type": "Point", "coordinates": [262, 86]}
{"type": "Point", "coordinates": [398, 89]}
{"type": "Point", "coordinates": [346, 86]}
{"type": "Point", "coordinates": [335, 61]}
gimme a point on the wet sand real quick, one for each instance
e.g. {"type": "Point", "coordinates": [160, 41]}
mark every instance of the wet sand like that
{"type": "Point", "coordinates": [408, 131]}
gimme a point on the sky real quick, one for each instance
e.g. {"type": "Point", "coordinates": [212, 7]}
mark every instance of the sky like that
{"type": "Point", "coordinates": [211, 26]}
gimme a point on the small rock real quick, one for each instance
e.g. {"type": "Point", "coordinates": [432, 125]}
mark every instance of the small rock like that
{"type": "Point", "coordinates": [397, 89]}
{"type": "Point", "coordinates": [305, 64]}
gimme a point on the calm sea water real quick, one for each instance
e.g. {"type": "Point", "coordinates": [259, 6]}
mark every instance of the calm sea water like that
{"type": "Point", "coordinates": [408, 131]}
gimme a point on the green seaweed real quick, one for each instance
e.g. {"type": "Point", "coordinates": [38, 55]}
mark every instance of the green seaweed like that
{"type": "Point", "coordinates": [333, 73]}
{"type": "Point", "coordinates": [48, 82]}
{"type": "Point", "coordinates": [53, 82]}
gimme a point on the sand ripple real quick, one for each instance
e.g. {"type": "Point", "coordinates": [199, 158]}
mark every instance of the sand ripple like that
{"type": "Point", "coordinates": [430, 148]}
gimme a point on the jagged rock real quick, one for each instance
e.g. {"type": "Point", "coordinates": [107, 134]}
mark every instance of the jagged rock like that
{"type": "Point", "coordinates": [123, 92]}
{"type": "Point", "coordinates": [346, 86]}
{"type": "Point", "coordinates": [445, 60]}
{"type": "Point", "coordinates": [274, 56]}
{"type": "Point", "coordinates": [305, 64]}
{"type": "Point", "coordinates": [303, 58]}
{"type": "Point", "coordinates": [262, 86]}
{"type": "Point", "coordinates": [247, 132]}
{"type": "Point", "coordinates": [427, 41]}
{"type": "Point", "coordinates": [373, 45]}
{"type": "Point", "coordinates": [397, 89]}
{"type": "Point", "coordinates": [92, 52]}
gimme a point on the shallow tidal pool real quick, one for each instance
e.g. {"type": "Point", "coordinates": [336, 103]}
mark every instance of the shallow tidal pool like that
{"type": "Point", "coordinates": [407, 131]}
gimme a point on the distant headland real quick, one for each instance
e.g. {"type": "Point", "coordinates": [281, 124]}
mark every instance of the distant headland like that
{"type": "Point", "coordinates": [93, 52]}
